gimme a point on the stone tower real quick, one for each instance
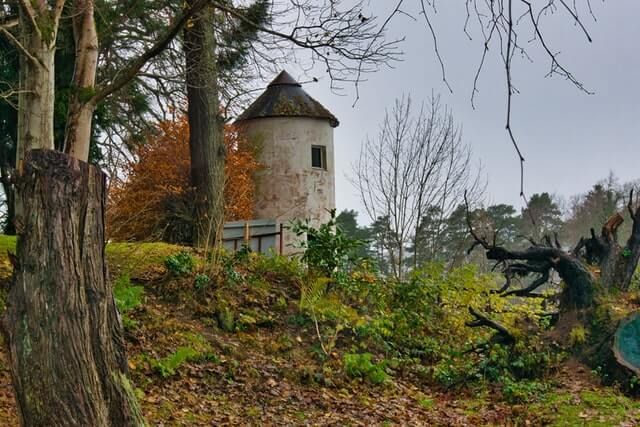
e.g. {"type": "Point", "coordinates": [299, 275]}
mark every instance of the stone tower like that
{"type": "Point", "coordinates": [294, 136]}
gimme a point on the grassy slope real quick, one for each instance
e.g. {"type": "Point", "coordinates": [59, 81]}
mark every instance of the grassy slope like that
{"type": "Point", "coordinates": [266, 372]}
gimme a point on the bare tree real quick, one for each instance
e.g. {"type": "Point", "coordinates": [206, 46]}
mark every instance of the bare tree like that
{"type": "Point", "coordinates": [418, 161]}
{"type": "Point", "coordinates": [515, 29]}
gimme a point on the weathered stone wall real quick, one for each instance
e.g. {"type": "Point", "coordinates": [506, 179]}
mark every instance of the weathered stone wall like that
{"type": "Point", "coordinates": [289, 187]}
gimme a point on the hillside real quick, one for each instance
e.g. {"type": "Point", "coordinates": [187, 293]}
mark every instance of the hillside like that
{"type": "Point", "coordinates": [247, 340]}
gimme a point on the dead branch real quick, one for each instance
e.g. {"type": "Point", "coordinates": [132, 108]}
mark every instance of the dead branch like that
{"type": "Point", "coordinates": [503, 335]}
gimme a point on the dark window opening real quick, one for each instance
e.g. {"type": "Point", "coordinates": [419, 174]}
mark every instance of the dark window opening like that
{"type": "Point", "coordinates": [319, 157]}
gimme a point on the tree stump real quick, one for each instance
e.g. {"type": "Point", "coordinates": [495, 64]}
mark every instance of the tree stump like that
{"type": "Point", "coordinates": [61, 324]}
{"type": "Point", "coordinates": [626, 346]}
{"type": "Point", "coordinates": [613, 347]}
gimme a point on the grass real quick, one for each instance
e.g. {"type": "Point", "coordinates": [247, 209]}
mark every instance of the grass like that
{"type": "Point", "coordinates": [127, 296]}
{"type": "Point", "coordinates": [594, 408]}
{"type": "Point", "coordinates": [134, 259]}
{"type": "Point", "coordinates": [138, 259]}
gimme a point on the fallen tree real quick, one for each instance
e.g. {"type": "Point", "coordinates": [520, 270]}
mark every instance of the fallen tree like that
{"type": "Point", "coordinates": [593, 296]}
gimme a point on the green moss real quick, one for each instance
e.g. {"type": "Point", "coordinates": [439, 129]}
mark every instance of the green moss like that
{"type": "Point", "coordinates": [588, 408]}
{"type": "Point", "coordinates": [139, 258]}
{"type": "Point", "coordinates": [127, 297]}
{"type": "Point", "coordinates": [426, 402]}
{"type": "Point", "coordinates": [86, 93]}
{"type": "Point", "coordinates": [137, 417]}
{"type": "Point", "coordinates": [7, 243]}
{"type": "Point", "coordinates": [134, 258]}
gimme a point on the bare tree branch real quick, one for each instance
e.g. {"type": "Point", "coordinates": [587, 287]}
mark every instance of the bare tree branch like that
{"type": "Point", "coordinates": [16, 43]}
{"type": "Point", "coordinates": [130, 72]}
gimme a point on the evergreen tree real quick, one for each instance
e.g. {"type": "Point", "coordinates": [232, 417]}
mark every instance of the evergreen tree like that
{"type": "Point", "coordinates": [541, 217]}
{"type": "Point", "coordinates": [347, 220]}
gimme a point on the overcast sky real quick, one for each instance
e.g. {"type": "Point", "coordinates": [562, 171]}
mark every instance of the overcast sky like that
{"type": "Point", "coordinates": [570, 139]}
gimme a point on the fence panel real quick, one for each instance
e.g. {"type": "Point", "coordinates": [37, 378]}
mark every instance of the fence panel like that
{"type": "Point", "coordinates": [261, 235]}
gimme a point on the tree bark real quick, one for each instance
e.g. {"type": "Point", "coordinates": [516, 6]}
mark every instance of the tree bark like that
{"type": "Point", "coordinates": [9, 194]}
{"type": "Point", "coordinates": [205, 128]}
{"type": "Point", "coordinates": [62, 327]}
{"type": "Point", "coordinates": [36, 97]}
{"type": "Point", "coordinates": [81, 104]}
{"type": "Point", "coordinates": [617, 263]}
{"type": "Point", "coordinates": [580, 289]}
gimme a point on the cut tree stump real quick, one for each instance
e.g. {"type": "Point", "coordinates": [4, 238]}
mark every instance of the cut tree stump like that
{"type": "Point", "coordinates": [62, 326]}
{"type": "Point", "coordinates": [626, 346]}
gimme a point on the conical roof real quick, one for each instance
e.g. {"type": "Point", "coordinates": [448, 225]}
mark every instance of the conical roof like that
{"type": "Point", "coordinates": [284, 97]}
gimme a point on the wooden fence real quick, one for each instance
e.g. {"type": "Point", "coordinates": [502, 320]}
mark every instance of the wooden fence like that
{"type": "Point", "coordinates": [259, 235]}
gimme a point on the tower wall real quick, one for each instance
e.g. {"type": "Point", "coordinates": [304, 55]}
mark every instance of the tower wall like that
{"type": "Point", "coordinates": [289, 187]}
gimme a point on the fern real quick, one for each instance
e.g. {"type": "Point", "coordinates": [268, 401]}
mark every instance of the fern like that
{"type": "Point", "coordinates": [312, 291]}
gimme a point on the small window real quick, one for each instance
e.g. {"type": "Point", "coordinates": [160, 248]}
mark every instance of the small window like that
{"type": "Point", "coordinates": [319, 157]}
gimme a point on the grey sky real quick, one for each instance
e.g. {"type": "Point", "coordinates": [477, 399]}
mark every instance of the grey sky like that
{"type": "Point", "coordinates": [569, 139]}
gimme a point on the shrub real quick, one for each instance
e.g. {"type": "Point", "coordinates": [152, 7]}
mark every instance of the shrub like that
{"type": "Point", "coordinates": [201, 281]}
{"type": "Point", "coordinates": [524, 391]}
{"type": "Point", "coordinates": [578, 335]}
{"type": "Point", "coordinates": [362, 366]}
{"type": "Point", "coordinates": [179, 264]}
{"type": "Point", "coordinates": [326, 248]}
{"type": "Point", "coordinates": [156, 199]}
{"type": "Point", "coordinates": [451, 371]}
{"type": "Point", "coordinates": [278, 268]}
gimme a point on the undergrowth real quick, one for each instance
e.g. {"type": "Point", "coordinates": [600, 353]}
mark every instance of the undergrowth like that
{"type": "Point", "coordinates": [338, 324]}
{"type": "Point", "coordinates": [361, 325]}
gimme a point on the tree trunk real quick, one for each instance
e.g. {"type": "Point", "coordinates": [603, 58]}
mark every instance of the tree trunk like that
{"type": "Point", "coordinates": [603, 351]}
{"type": "Point", "coordinates": [401, 261]}
{"type": "Point", "coordinates": [37, 94]}
{"type": "Point", "coordinates": [36, 97]}
{"type": "Point", "coordinates": [617, 263]}
{"type": "Point", "coordinates": [9, 193]}
{"type": "Point", "coordinates": [611, 345]}
{"type": "Point", "coordinates": [79, 122]}
{"type": "Point", "coordinates": [580, 286]}
{"type": "Point", "coordinates": [62, 327]}
{"type": "Point", "coordinates": [205, 128]}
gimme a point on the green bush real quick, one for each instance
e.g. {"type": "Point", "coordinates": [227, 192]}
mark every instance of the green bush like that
{"type": "Point", "coordinates": [525, 391]}
{"type": "Point", "coordinates": [179, 264]}
{"type": "Point", "coordinates": [327, 249]}
{"type": "Point", "coordinates": [422, 322]}
{"type": "Point", "coordinates": [279, 267]}
{"type": "Point", "coordinates": [452, 371]}
{"type": "Point", "coordinates": [362, 366]}
{"type": "Point", "coordinates": [201, 281]}
{"type": "Point", "coordinates": [496, 363]}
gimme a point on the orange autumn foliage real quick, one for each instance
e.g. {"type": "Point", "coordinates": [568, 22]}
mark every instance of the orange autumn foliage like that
{"type": "Point", "coordinates": [154, 201]}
